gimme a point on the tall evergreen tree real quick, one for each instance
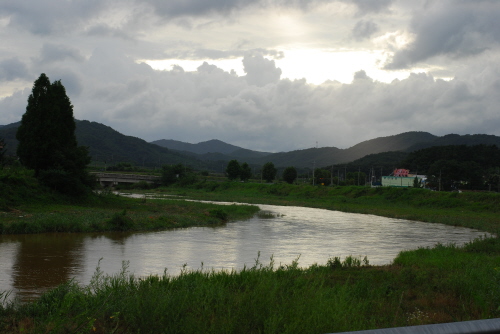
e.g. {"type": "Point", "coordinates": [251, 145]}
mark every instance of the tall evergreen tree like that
{"type": "Point", "coordinates": [47, 141]}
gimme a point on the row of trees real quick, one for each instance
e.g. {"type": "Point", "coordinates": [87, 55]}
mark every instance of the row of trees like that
{"type": "Point", "coordinates": [234, 171]}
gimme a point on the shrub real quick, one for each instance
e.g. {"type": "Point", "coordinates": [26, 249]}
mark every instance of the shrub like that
{"type": "Point", "coordinates": [219, 214]}
{"type": "Point", "coordinates": [120, 222]}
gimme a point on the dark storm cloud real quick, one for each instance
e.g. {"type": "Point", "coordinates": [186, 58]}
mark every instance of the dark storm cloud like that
{"type": "Point", "coordinates": [12, 69]}
{"type": "Point", "coordinates": [364, 29]}
{"type": "Point", "coordinates": [182, 8]}
{"type": "Point", "coordinates": [177, 8]}
{"type": "Point", "coordinates": [103, 30]}
{"type": "Point", "coordinates": [456, 29]}
{"type": "Point", "coordinates": [52, 53]}
{"type": "Point", "coordinates": [370, 6]}
{"type": "Point", "coordinates": [44, 17]}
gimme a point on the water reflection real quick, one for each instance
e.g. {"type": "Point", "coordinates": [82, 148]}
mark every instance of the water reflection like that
{"type": "Point", "coordinates": [43, 261]}
{"type": "Point", "coordinates": [31, 264]}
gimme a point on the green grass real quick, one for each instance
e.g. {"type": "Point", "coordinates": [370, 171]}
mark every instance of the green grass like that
{"type": "Point", "coordinates": [443, 284]}
{"type": "Point", "coordinates": [111, 213]}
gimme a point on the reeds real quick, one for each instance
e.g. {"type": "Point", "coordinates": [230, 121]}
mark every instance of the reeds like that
{"type": "Point", "coordinates": [429, 285]}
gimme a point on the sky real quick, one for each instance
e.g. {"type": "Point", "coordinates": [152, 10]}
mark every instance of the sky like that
{"type": "Point", "coordinates": [267, 75]}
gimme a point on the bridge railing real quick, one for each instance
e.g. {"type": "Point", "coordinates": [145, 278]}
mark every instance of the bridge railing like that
{"type": "Point", "coordinates": [463, 327]}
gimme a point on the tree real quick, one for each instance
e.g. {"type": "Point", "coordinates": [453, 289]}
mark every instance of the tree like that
{"type": "Point", "coordinates": [233, 170]}
{"type": "Point", "coordinates": [289, 174]}
{"type": "Point", "coordinates": [416, 183]}
{"type": "Point", "coordinates": [322, 176]}
{"type": "Point", "coordinates": [269, 172]}
{"type": "Point", "coordinates": [245, 172]}
{"type": "Point", "coordinates": [2, 151]}
{"type": "Point", "coordinates": [180, 174]}
{"type": "Point", "coordinates": [47, 141]}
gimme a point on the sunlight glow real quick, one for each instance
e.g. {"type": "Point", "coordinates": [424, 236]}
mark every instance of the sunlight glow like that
{"type": "Point", "coordinates": [316, 66]}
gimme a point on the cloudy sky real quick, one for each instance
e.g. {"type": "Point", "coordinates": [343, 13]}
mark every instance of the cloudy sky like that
{"type": "Point", "coordinates": [270, 75]}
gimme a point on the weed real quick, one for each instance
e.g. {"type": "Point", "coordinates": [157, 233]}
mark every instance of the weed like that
{"type": "Point", "coordinates": [120, 222]}
{"type": "Point", "coordinates": [219, 214]}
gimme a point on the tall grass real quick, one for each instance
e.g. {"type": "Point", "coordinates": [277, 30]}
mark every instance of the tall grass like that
{"type": "Point", "coordinates": [442, 284]}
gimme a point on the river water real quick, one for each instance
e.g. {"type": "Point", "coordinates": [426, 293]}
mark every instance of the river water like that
{"type": "Point", "coordinates": [31, 264]}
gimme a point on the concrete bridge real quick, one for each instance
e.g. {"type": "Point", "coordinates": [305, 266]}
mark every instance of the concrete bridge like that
{"type": "Point", "coordinates": [112, 179]}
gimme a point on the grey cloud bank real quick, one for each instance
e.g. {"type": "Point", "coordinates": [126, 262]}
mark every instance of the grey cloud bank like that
{"type": "Point", "coordinates": [95, 48]}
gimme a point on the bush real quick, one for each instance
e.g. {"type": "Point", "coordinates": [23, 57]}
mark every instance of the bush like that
{"type": "Point", "coordinates": [120, 222]}
{"type": "Point", "coordinates": [63, 182]}
{"type": "Point", "coordinates": [219, 214]}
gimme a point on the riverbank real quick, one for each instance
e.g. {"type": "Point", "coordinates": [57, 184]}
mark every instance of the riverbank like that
{"type": "Point", "coordinates": [112, 213]}
{"type": "Point", "coordinates": [26, 207]}
{"type": "Point", "coordinates": [478, 210]}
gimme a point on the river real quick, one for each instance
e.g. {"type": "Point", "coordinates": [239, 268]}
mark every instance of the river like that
{"type": "Point", "coordinates": [31, 264]}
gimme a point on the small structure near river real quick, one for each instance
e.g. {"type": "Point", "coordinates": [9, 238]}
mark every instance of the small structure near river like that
{"type": "Point", "coordinates": [403, 178]}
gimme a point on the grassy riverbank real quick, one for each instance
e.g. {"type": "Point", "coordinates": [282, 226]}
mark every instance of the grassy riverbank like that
{"type": "Point", "coordinates": [442, 284]}
{"type": "Point", "coordinates": [27, 207]}
{"type": "Point", "coordinates": [477, 210]}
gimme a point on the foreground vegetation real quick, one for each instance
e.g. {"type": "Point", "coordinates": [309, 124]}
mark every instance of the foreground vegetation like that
{"type": "Point", "coordinates": [443, 284]}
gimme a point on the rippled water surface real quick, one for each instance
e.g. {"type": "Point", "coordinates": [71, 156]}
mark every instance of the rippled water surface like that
{"type": "Point", "coordinates": [31, 264]}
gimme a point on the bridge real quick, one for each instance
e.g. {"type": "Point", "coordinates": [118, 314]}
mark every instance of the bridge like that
{"type": "Point", "coordinates": [112, 179]}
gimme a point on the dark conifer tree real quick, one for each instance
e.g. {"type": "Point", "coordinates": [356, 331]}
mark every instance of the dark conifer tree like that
{"type": "Point", "coordinates": [47, 141]}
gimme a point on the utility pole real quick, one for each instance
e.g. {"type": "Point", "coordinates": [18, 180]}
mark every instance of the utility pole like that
{"type": "Point", "coordinates": [359, 171]}
{"type": "Point", "coordinates": [440, 180]}
{"type": "Point", "coordinates": [314, 167]}
{"type": "Point", "coordinates": [331, 177]}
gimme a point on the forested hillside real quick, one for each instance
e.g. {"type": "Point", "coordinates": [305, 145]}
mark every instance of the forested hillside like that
{"type": "Point", "coordinates": [458, 166]}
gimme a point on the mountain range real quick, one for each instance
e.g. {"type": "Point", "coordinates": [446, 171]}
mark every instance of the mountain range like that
{"type": "Point", "coordinates": [107, 144]}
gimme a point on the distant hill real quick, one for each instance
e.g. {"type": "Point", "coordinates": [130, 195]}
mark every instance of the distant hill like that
{"type": "Point", "coordinates": [454, 139]}
{"type": "Point", "coordinates": [211, 150]}
{"type": "Point", "coordinates": [381, 163]}
{"type": "Point", "coordinates": [326, 156]}
{"type": "Point", "coordinates": [107, 144]}
{"type": "Point", "coordinates": [400, 142]}
{"type": "Point", "coordinates": [209, 146]}
{"type": "Point", "coordinates": [8, 133]}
